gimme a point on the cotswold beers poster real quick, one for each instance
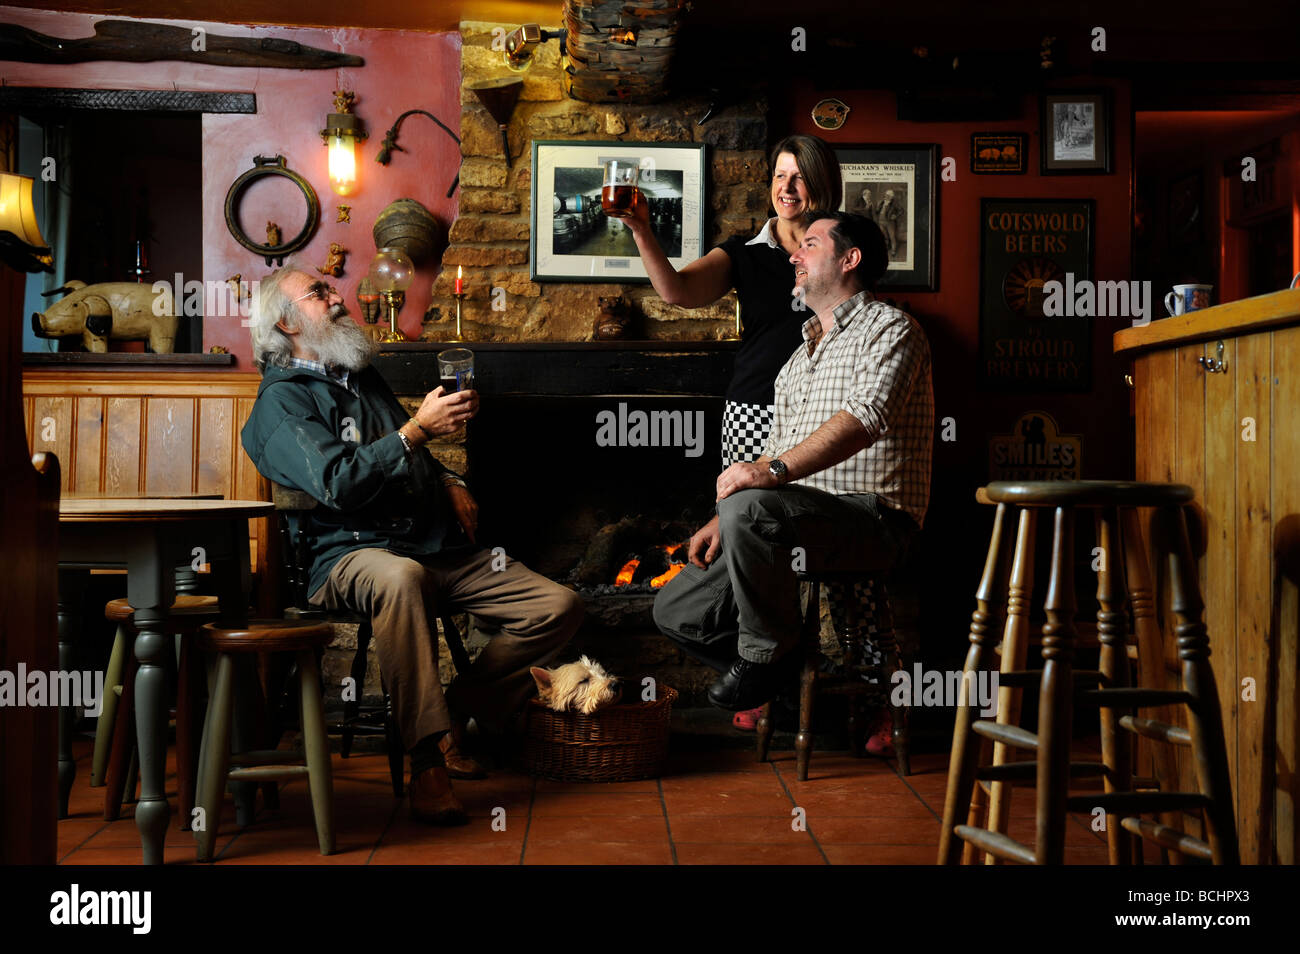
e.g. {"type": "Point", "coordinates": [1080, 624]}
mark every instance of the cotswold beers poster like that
{"type": "Point", "coordinates": [1025, 243]}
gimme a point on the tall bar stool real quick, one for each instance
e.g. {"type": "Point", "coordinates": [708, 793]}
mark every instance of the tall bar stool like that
{"type": "Point", "coordinates": [852, 681]}
{"type": "Point", "coordinates": [115, 728]}
{"type": "Point", "coordinates": [1062, 689]}
{"type": "Point", "coordinates": [216, 763]}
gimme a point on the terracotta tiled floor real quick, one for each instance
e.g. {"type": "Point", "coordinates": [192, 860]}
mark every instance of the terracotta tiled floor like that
{"type": "Point", "coordinates": [718, 807]}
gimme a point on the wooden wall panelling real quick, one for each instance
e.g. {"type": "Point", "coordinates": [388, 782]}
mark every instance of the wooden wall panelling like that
{"type": "Point", "coordinates": [1284, 699]}
{"type": "Point", "coordinates": [216, 446]}
{"type": "Point", "coordinates": [1219, 569]}
{"type": "Point", "coordinates": [148, 432]}
{"type": "Point", "coordinates": [1254, 573]}
{"type": "Point", "coordinates": [50, 431]}
{"type": "Point", "coordinates": [123, 448]}
{"type": "Point", "coordinates": [89, 451]}
{"type": "Point", "coordinates": [1154, 377]}
{"type": "Point", "coordinates": [170, 448]}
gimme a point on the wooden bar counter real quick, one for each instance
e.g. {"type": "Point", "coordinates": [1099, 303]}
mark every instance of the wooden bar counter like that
{"type": "Point", "coordinates": [1217, 404]}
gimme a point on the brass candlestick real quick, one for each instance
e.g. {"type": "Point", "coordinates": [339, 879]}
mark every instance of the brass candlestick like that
{"type": "Point", "coordinates": [459, 296]}
{"type": "Point", "coordinates": [393, 302]}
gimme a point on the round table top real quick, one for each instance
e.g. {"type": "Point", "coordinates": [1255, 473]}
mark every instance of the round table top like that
{"type": "Point", "coordinates": [90, 509]}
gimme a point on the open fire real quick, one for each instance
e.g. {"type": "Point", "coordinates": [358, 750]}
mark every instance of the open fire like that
{"type": "Point", "coordinates": [674, 555]}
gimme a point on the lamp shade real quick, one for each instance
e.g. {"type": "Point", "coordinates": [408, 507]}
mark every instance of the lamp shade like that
{"type": "Point", "coordinates": [17, 212]}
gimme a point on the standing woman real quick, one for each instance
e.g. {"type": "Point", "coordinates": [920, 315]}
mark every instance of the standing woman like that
{"type": "Point", "coordinates": [805, 178]}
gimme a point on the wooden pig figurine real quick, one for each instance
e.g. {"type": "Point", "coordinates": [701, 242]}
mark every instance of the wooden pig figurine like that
{"type": "Point", "coordinates": [122, 311]}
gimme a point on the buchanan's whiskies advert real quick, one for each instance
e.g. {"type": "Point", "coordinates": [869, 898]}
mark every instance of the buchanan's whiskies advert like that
{"type": "Point", "coordinates": [1024, 244]}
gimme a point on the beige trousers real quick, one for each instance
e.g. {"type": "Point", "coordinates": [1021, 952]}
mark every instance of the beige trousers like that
{"type": "Point", "coordinates": [404, 597]}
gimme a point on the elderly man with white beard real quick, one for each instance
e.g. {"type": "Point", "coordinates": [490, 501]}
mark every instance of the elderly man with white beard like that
{"type": "Point", "coordinates": [393, 536]}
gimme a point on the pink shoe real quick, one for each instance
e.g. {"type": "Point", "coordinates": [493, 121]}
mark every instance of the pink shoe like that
{"type": "Point", "coordinates": [747, 720]}
{"type": "Point", "coordinates": [880, 742]}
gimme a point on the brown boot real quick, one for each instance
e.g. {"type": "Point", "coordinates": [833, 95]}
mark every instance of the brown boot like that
{"type": "Point", "coordinates": [433, 801]}
{"type": "Point", "coordinates": [458, 765]}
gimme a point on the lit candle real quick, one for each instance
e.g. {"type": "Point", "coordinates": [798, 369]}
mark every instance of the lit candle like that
{"type": "Point", "coordinates": [460, 281]}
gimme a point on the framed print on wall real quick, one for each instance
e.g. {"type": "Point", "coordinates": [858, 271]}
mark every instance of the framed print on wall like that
{"type": "Point", "coordinates": [573, 240]}
{"type": "Point", "coordinates": [999, 153]}
{"type": "Point", "coordinates": [894, 186]}
{"type": "Point", "coordinates": [1076, 133]}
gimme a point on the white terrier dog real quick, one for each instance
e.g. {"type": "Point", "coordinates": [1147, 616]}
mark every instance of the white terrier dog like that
{"type": "Point", "coordinates": [583, 686]}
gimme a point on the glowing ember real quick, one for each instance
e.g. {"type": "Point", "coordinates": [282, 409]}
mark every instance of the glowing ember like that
{"type": "Point", "coordinates": [625, 575]}
{"type": "Point", "coordinates": [662, 578]}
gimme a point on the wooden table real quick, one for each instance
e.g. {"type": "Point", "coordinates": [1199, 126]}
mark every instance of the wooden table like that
{"type": "Point", "coordinates": [1217, 406]}
{"type": "Point", "coordinates": [150, 536]}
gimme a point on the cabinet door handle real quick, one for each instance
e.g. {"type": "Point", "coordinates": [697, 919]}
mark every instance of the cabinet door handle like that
{"type": "Point", "coordinates": [1214, 365]}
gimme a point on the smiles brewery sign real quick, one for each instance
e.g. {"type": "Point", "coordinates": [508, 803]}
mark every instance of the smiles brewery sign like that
{"type": "Point", "coordinates": [1035, 450]}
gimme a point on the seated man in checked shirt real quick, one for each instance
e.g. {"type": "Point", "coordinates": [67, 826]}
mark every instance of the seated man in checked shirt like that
{"type": "Point", "coordinates": [845, 475]}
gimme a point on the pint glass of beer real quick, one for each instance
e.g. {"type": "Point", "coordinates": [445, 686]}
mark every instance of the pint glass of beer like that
{"type": "Point", "coordinates": [618, 195]}
{"type": "Point", "coordinates": [456, 370]}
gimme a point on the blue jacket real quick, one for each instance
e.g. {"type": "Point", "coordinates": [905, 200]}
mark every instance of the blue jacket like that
{"type": "Point", "coordinates": [309, 432]}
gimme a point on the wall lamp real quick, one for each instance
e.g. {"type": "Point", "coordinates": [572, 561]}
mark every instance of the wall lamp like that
{"type": "Point", "coordinates": [342, 132]}
{"type": "Point", "coordinates": [523, 40]}
{"type": "Point", "coordinates": [21, 245]}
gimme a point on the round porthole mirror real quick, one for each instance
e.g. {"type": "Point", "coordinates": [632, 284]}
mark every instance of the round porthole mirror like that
{"type": "Point", "coordinates": [265, 166]}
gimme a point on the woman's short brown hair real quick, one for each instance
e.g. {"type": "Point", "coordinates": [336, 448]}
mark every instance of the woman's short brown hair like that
{"type": "Point", "coordinates": [819, 168]}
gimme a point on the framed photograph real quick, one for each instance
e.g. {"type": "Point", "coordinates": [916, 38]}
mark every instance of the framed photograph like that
{"type": "Point", "coordinates": [894, 186]}
{"type": "Point", "coordinates": [1026, 245]}
{"type": "Point", "coordinates": [998, 153]}
{"type": "Point", "coordinates": [1075, 133]}
{"type": "Point", "coordinates": [573, 240]}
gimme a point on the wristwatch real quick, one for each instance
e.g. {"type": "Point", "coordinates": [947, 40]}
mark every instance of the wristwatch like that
{"type": "Point", "coordinates": [406, 442]}
{"type": "Point", "coordinates": [777, 469]}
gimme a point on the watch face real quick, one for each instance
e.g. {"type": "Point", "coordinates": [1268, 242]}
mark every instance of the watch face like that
{"type": "Point", "coordinates": [776, 468]}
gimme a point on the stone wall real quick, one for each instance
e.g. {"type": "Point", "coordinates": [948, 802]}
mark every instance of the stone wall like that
{"type": "Point", "coordinates": [490, 237]}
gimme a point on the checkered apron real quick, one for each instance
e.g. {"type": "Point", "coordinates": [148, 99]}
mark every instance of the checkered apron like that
{"type": "Point", "coordinates": [744, 432]}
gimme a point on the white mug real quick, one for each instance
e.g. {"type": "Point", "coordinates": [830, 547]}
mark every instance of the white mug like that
{"type": "Point", "coordinates": [1185, 298]}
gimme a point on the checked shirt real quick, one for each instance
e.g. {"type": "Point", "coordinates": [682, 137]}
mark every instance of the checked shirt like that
{"type": "Point", "coordinates": [874, 363]}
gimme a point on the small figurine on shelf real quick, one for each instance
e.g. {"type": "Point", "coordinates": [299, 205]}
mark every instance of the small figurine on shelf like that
{"type": "Point", "coordinates": [344, 100]}
{"type": "Point", "coordinates": [614, 323]}
{"type": "Point", "coordinates": [334, 264]}
{"type": "Point", "coordinates": [272, 234]}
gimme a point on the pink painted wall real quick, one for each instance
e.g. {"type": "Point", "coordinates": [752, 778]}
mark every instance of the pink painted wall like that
{"type": "Point", "coordinates": [403, 70]}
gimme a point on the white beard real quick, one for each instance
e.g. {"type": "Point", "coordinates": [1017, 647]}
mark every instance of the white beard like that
{"type": "Point", "coordinates": [337, 341]}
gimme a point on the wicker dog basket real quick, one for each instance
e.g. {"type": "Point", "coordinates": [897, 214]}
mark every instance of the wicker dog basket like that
{"type": "Point", "coordinates": [624, 742]}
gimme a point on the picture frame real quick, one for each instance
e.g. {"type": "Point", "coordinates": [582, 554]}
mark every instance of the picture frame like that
{"type": "Point", "coordinates": [908, 171]}
{"type": "Point", "coordinates": [1024, 244]}
{"type": "Point", "coordinates": [999, 153]}
{"type": "Point", "coordinates": [1076, 133]}
{"type": "Point", "coordinates": [572, 240]}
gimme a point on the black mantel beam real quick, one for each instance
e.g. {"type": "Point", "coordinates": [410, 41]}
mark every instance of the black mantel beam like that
{"type": "Point", "coordinates": [580, 368]}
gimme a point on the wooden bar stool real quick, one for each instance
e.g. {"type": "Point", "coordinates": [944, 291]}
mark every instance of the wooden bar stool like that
{"type": "Point", "coordinates": [115, 728]}
{"type": "Point", "coordinates": [1062, 689]}
{"type": "Point", "coordinates": [218, 765]}
{"type": "Point", "coordinates": [851, 682]}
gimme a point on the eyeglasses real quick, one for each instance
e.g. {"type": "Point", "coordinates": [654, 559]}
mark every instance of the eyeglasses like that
{"type": "Point", "coordinates": [318, 289]}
